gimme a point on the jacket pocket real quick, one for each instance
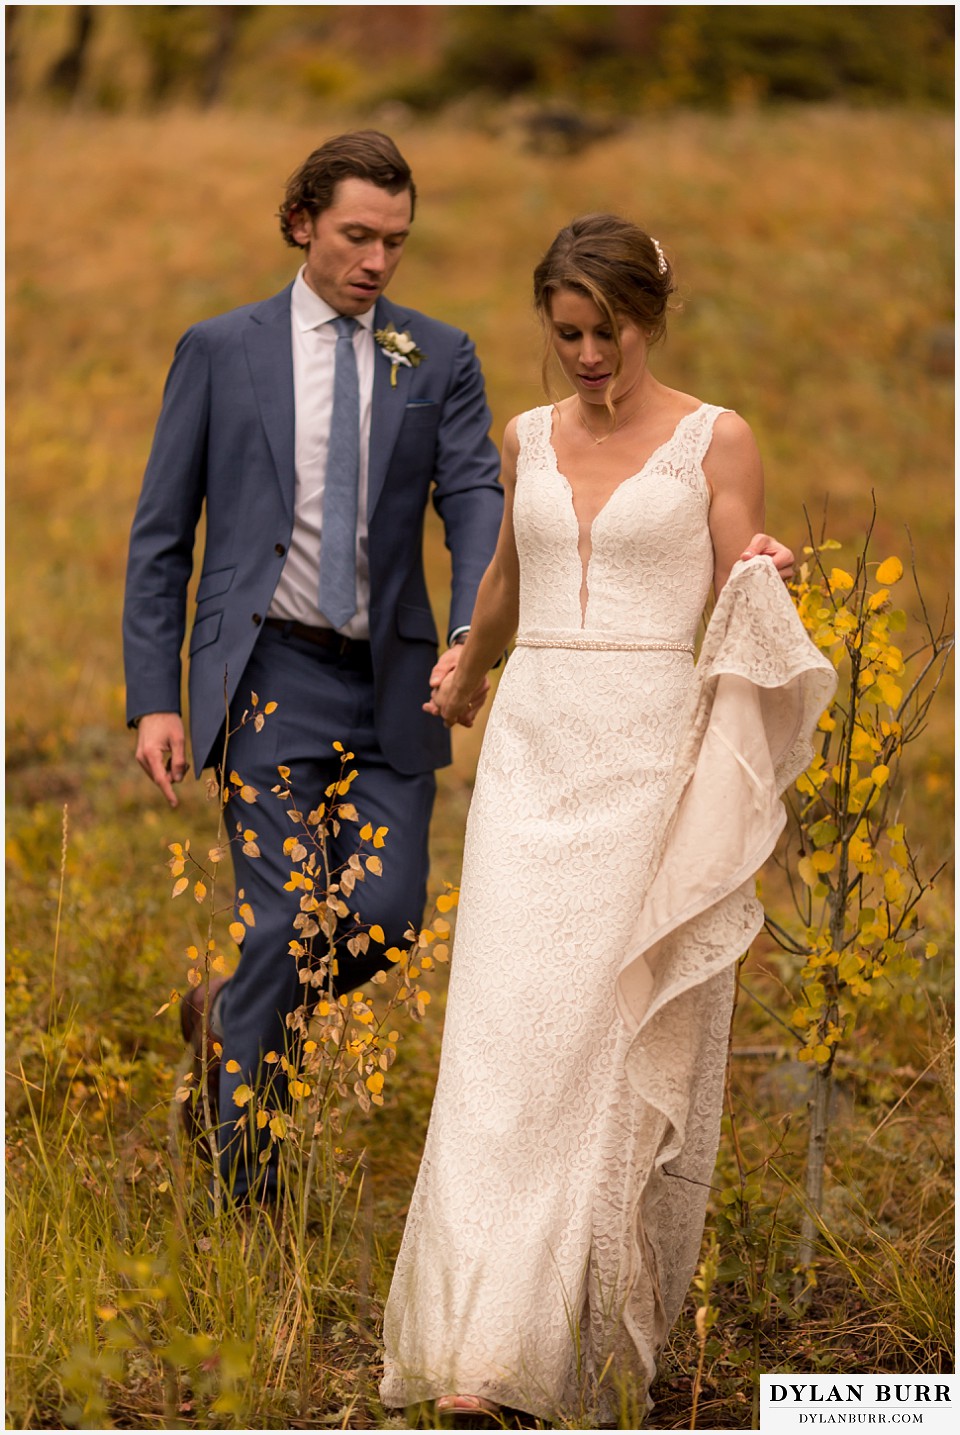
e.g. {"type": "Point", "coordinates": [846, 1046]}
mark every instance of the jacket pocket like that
{"type": "Point", "coordinates": [416, 623]}
{"type": "Point", "coordinates": [205, 632]}
{"type": "Point", "coordinates": [420, 416]}
{"type": "Point", "coordinates": [215, 582]}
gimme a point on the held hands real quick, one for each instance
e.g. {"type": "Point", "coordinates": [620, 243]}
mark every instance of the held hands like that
{"type": "Point", "coordinates": [761, 544]}
{"type": "Point", "coordinates": [161, 751]}
{"type": "Point", "coordinates": [446, 699]}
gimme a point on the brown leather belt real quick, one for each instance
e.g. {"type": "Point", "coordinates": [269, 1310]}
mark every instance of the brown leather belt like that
{"type": "Point", "coordinates": [327, 638]}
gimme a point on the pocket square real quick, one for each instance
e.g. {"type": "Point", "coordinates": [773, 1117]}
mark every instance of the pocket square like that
{"type": "Point", "coordinates": [422, 404]}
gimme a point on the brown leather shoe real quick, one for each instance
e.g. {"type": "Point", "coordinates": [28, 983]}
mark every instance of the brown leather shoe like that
{"type": "Point", "coordinates": [191, 1024]}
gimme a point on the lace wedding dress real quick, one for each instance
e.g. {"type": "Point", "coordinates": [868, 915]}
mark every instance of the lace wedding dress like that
{"type": "Point", "coordinates": [624, 800]}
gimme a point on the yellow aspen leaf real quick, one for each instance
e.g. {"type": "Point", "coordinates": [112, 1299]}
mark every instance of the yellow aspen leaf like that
{"type": "Point", "coordinates": [890, 691]}
{"type": "Point", "coordinates": [338, 747]}
{"type": "Point", "coordinates": [379, 835]}
{"type": "Point", "coordinates": [192, 954]}
{"type": "Point", "coordinates": [821, 1053]}
{"type": "Point", "coordinates": [300, 1089]}
{"type": "Point", "coordinates": [807, 872]}
{"type": "Point", "coordinates": [278, 1127]}
{"type": "Point", "coordinates": [236, 779]}
{"type": "Point", "coordinates": [245, 912]}
{"type": "Point", "coordinates": [199, 891]}
{"type": "Point", "coordinates": [840, 579]}
{"type": "Point", "coordinates": [893, 888]}
{"type": "Point", "coordinates": [243, 1095]}
{"type": "Point", "coordinates": [176, 865]}
{"type": "Point", "coordinates": [889, 571]}
{"type": "Point", "coordinates": [175, 848]}
{"type": "Point", "coordinates": [232, 1066]}
{"type": "Point", "coordinates": [441, 952]}
{"type": "Point", "coordinates": [447, 901]}
{"type": "Point", "coordinates": [374, 865]}
{"type": "Point", "coordinates": [348, 812]}
{"type": "Point", "coordinates": [366, 831]}
{"type": "Point", "coordinates": [823, 861]}
{"type": "Point", "coordinates": [931, 949]}
{"type": "Point", "coordinates": [878, 599]}
{"type": "Point", "coordinates": [270, 708]}
{"type": "Point", "coordinates": [376, 932]}
{"type": "Point", "coordinates": [393, 954]}
{"type": "Point", "coordinates": [219, 963]}
{"type": "Point", "coordinates": [180, 886]}
{"type": "Point", "coordinates": [248, 793]}
{"type": "Point", "coordinates": [880, 774]}
{"type": "Point", "coordinates": [826, 723]}
{"type": "Point", "coordinates": [799, 1017]}
{"type": "Point", "coordinates": [216, 854]}
{"type": "Point", "coordinates": [262, 1119]}
{"type": "Point", "coordinates": [309, 1046]}
{"type": "Point", "coordinates": [237, 931]}
{"type": "Point", "coordinates": [284, 772]}
{"type": "Point", "coordinates": [805, 1055]}
{"type": "Point", "coordinates": [849, 966]}
{"type": "Point", "coordinates": [374, 1082]}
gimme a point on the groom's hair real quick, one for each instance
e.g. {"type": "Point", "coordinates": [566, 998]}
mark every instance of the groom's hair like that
{"type": "Point", "coordinates": [360, 154]}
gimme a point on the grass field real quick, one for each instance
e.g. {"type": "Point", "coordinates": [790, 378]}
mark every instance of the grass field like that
{"type": "Point", "coordinates": [814, 249]}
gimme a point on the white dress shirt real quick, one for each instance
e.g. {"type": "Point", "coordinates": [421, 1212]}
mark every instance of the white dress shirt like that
{"type": "Point", "coordinates": [314, 343]}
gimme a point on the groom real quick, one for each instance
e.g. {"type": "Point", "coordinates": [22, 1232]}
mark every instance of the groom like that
{"type": "Point", "coordinates": [314, 441]}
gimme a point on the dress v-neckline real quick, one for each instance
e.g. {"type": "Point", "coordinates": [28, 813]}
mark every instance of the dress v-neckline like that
{"type": "Point", "coordinates": [584, 596]}
{"type": "Point", "coordinates": [624, 481]}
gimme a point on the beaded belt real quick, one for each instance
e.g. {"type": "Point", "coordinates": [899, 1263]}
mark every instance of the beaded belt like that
{"type": "Point", "coordinates": [600, 644]}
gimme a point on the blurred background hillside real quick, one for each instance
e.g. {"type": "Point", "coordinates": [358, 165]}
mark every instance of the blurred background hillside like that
{"type": "Point", "coordinates": [615, 59]}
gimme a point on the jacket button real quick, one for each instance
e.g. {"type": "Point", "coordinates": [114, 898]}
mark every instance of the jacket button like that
{"type": "Point", "coordinates": [279, 550]}
{"type": "Point", "coordinates": [257, 619]}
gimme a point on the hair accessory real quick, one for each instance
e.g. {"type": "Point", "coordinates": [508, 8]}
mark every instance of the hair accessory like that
{"type": "Point", "coordinates": [661, 262]}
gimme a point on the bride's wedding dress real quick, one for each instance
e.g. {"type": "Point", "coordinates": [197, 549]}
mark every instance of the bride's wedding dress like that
{"type": "Point", "coordinates": [624, 800]}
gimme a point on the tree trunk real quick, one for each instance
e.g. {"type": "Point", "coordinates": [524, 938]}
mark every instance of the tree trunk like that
{"type": "Point", "coordinates": [65, 75]}
{"type": "Point", "coordinates": [819, 1107]}
{"type": "Point", "coordinates": [227, 21]}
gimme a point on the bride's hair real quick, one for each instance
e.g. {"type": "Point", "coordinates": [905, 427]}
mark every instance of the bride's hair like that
{"type": "Point", "coordinates": [617, 265]}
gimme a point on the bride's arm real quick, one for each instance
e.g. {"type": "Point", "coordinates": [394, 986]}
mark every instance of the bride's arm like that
{"type": "Point", "coordinates": [734, 474]}
{"type": "Point", "coordinates": [495, 614]}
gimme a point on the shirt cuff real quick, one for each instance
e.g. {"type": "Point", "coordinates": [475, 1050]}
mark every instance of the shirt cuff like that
{"type": "Point", "coordinates": [457, 635]}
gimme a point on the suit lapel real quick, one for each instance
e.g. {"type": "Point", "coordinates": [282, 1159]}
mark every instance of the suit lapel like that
{"type": "Point", "coordinates": [270, 356]}
{"type": "Point", "coordinates": [389, 404]}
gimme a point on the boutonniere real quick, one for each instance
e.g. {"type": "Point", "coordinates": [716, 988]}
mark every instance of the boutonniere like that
{"type": "Point", "coordinates": [399, 349]}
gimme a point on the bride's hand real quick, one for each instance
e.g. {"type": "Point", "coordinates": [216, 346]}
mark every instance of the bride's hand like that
{"type": "Point", "coordinates": [455, 706]}
{"type": "Point", "coordinates": [763, 544]}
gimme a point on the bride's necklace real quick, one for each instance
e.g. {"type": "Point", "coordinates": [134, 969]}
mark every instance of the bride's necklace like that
{"type": "Point", "coordinates": [616, 424]}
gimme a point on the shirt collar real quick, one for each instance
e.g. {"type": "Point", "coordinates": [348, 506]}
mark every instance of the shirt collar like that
{"type": "Point", "coordinates": [309, 311]}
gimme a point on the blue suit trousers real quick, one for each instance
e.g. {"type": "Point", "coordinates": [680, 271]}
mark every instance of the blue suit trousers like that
{"type": "Point", "coordinates": [321, 698]}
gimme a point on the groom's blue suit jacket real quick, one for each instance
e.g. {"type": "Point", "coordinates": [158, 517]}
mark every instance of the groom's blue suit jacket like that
{"type": "Point", "coordinates": [225, 439]}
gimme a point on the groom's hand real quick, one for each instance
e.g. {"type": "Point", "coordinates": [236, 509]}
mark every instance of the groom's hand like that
{"type": "Point", "coordinates": [161, 751]}
{"type": "Point", "coordinates": [444, 666]}
{"type": "Point", "coordinates": [761, 544]}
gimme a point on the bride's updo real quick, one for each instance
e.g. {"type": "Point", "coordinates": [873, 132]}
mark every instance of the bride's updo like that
{"type": "Point", "coordinates": [616, 264]}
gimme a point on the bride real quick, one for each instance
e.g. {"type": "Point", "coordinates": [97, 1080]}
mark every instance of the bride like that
{"type": "Point", "coordinates": [625, 798]}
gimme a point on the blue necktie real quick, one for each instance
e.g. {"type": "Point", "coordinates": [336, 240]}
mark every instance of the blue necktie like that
{"type": "Point", "coordinates": [338, 540]}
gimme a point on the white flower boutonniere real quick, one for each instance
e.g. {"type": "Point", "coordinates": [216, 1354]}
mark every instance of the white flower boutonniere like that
{"type": "Point", "coordinates": [399, 349]}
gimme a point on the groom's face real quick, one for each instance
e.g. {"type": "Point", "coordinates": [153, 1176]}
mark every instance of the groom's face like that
{"type": "Point", "coordinates": [354, 246]}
